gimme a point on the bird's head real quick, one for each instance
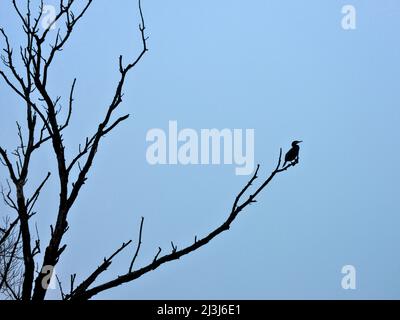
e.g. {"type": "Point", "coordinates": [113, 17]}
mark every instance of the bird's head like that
{"type": "Point", "coordinates": [296, 142]}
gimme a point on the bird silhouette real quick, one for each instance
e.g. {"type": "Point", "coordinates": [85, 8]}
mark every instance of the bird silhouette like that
{"type": "Point", "coordinates": [293, 154]}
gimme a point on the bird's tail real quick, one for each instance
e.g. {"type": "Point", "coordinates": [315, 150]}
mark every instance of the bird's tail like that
{"type": "Point", "coordinates": [284, 164]}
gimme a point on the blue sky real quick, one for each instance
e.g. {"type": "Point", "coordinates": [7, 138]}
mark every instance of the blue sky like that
{"type": "Point", "coordinates": [286, 69]}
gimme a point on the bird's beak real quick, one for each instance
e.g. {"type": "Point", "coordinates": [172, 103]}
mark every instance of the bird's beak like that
{"type": "Point", "coordinates": [300, 141]}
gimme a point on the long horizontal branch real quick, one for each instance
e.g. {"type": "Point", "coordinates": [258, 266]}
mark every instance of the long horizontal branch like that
{"type": "Point", "coordinates": [176, 254]}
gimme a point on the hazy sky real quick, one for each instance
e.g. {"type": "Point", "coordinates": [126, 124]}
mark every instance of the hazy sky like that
{"type": "Point", "coordinates": [286, 69]}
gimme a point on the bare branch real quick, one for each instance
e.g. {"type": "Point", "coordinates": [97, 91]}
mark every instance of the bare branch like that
{"type": "Point", "coordinates": [71, 100]}
{"type": "Point", "coordinates": [103, 127]}
{"type": "Point", "coordinates": [138, 245]}
{"type": "Point", "coordinates": [103, 267]}
{"type": "Point", "coordinates": [31, 202]}
{"type": "Point", "coordinates": [8, 200]}
{"type": "Point", "coordinates": [156, 256]}
{"type": "Point", "coordinates": [61, 288]}
{"type": "Point", "coordinates": [176, 254]}
{"type": "Point", "coordinates": [117, 122]}
{"type": "Point", "coordinates": [72, 282]}
{"type": "Point", "coordinates": [6, 160]}
{"type": "Point", "coordinates": [10, 271]}
{"type": "Point", "coordinates": [36, 248]}
{"type": "Point", "coordinates": [59, 43]}
{"type": "Point", "coordinates": [6, 232]}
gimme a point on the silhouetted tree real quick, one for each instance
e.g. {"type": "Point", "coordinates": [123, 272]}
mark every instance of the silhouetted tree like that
{"type": "Point", "coordinates": [44, 125]}
{"type": "Point", "coordinates": [10, 260]}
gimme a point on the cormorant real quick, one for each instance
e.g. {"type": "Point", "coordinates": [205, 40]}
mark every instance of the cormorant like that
{"type": "Point", "coordinates": [293, 153]}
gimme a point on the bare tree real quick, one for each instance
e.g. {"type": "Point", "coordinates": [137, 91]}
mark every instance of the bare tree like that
{"type": "Point", "coordinates": [10, 258]}
{"type": "Point", "coordinates": [45, 124]}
